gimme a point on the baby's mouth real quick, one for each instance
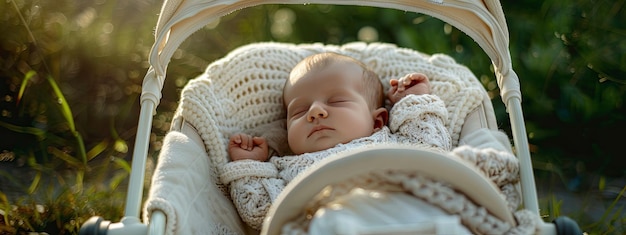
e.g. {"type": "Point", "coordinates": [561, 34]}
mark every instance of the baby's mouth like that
{"type": "Point", "coordinates": [319, 128]}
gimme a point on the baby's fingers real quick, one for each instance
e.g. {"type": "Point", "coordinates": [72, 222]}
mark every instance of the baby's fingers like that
{"type": "Point", "coordinates": [241, 140]}
{"type": "Point", "coordinates": [411, 79]}
{"type": "Point", "coordinates": [258, 141]}
{"type": "Point", "coordinates": [235, 139]}
{"type": "Point", "coordinates": [393, 86]}
{"type": "Point", "coordinates": [393, 82]}
{"type": "Point", "coordinates": [246, 142]}
{"type": "Point", "coordinates": [417, 78]}
{"type": "Point", "coordinates": [261, 143]}
{"type": "Point", "coordinates": [401, 84]}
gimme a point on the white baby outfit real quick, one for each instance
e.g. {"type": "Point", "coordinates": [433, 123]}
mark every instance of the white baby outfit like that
{"type": "Point", "coordinates": [254, 185]}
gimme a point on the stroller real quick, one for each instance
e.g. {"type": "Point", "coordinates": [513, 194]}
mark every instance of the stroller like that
{"type": "Point", "coordinates": [186, 196]}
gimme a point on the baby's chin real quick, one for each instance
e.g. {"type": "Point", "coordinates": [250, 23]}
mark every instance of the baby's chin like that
{"type": "Point", "coordinates": [315, 148]}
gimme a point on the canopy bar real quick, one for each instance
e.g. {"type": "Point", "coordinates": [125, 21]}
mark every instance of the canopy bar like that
{"type": "Point", "coordinates": [483, 21]}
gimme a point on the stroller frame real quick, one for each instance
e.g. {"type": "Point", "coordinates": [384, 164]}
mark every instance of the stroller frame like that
{"type": "Point", "coordinates": [483, 21]}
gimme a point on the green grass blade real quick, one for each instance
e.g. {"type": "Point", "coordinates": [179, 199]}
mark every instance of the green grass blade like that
{"type": "Point", "coordinates": [35, 183]}
{"type": "Point", "coordinates": [117, 179]}
{"type": "Point", "coordinates": [614, 205]}
{"type": "Point", "coordinates": [80, 176]}
{"type": "Point", "coordinates": [27, 77]}
{"type": "Point", "coordinates": [604, 219]}
{"type": "Point", "coordinates": [122, 163]}
{"type": "Point", "coordinates": [69, 118]}
{"type": "Point", "coordinates": [65, 108]}
{"type": "Point", "coordinates": [5, 208]}
{"type": "Point", "coordinates": [98, 149]}
{"type": "Point", "coordinates": [41, 134]}
{"type": "Point", "coordinates": [66, 158]}
{"type": "Point", "coordinates": [81, 146]}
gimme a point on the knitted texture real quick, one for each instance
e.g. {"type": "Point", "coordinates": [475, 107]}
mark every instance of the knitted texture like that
{"type": "Point", "coordinates": [500, 167]}
{"type": "Point", "coordinates": [440, 194]}
{"type": "Point", "coordinates": [180, 189]}
{"type": "Point", "coordinates": [255, 185]}
{"type": "Point", "coordinates": [243, 90]}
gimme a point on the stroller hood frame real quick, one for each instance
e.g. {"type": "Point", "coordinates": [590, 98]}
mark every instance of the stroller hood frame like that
{"type": "Point", "coordinates": [482, 20]}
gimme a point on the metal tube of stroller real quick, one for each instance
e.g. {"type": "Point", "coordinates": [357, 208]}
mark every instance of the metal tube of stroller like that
{"type": "Point", "coordinates": [135, 184]}
{"type": "Point", "coordinates": [156, 225]}
{"type": "Point", "coordinates": [529, 192]}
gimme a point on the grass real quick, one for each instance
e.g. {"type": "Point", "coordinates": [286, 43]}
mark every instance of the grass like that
{"type": "Point", "coordinates": [597, 209]}
{"type": "Point", "coordinates": [59, 209]}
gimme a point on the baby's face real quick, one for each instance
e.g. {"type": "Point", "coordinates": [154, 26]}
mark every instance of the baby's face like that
{"type": "Point", "coordinates": [326, 108]}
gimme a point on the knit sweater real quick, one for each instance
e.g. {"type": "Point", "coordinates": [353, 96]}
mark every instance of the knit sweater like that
{"type": "Point", "coordinates": [254, 185]}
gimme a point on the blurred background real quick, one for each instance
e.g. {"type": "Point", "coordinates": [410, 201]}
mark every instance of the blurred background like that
{"type": "Point", "coordinates": [71, 74]}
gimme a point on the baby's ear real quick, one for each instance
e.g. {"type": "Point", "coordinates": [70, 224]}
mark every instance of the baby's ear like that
{"type": "Point", "coordinates": [381, 116]}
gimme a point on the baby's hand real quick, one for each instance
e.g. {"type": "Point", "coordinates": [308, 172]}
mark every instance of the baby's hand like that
{"type": "Point", "coordinates": [414, 83]}
{"type": "Point", "coordinates": [243, 146]}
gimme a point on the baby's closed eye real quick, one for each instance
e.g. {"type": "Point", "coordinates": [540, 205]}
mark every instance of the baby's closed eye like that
{"type": "Point", "coordinates": [337, 100]}
{"type": "Point", "coordinates": [297, 112]}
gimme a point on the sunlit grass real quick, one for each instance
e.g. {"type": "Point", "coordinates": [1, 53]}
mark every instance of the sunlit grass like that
{"type": "Point", "coordinates": [60, 209]}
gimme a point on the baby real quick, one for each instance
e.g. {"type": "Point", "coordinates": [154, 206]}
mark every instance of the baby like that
{"type": "Point", "coordinates": [333, 103]}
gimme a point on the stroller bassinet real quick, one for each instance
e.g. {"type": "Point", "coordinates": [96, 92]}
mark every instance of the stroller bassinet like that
{"type": "Point", "coordinates": [186, 196]}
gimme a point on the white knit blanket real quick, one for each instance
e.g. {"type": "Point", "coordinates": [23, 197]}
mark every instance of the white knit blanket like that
{"type": "Point", "coordinates": [243, 91]}
{"type": "Point", "coordinates": [487, 151]}
{"type": "Point", "coordinates": [194, 205]}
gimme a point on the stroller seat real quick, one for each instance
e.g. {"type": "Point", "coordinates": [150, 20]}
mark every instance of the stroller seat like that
{"type": "Point", "coordinates": [242, 92]}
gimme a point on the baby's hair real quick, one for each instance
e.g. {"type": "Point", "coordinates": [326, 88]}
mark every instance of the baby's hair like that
{"type": "Point", "coordinates": [373, 88]}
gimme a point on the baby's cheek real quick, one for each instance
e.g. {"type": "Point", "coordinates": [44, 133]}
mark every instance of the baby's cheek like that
{"type": "Point", "coordinates": [291, 139]}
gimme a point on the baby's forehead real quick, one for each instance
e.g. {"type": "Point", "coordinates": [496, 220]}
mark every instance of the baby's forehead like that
{"type": "Point", "coordinates": [318, 71]}
{"type": "Point", "coordinates": [328, 82]}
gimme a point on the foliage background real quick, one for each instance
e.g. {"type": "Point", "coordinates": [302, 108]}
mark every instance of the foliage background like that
{"type": "Point", "coordinates": [570, 57]}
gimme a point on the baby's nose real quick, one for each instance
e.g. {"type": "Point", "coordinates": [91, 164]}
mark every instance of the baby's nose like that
{"type": "Point", "coordinates": [316, 111]}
